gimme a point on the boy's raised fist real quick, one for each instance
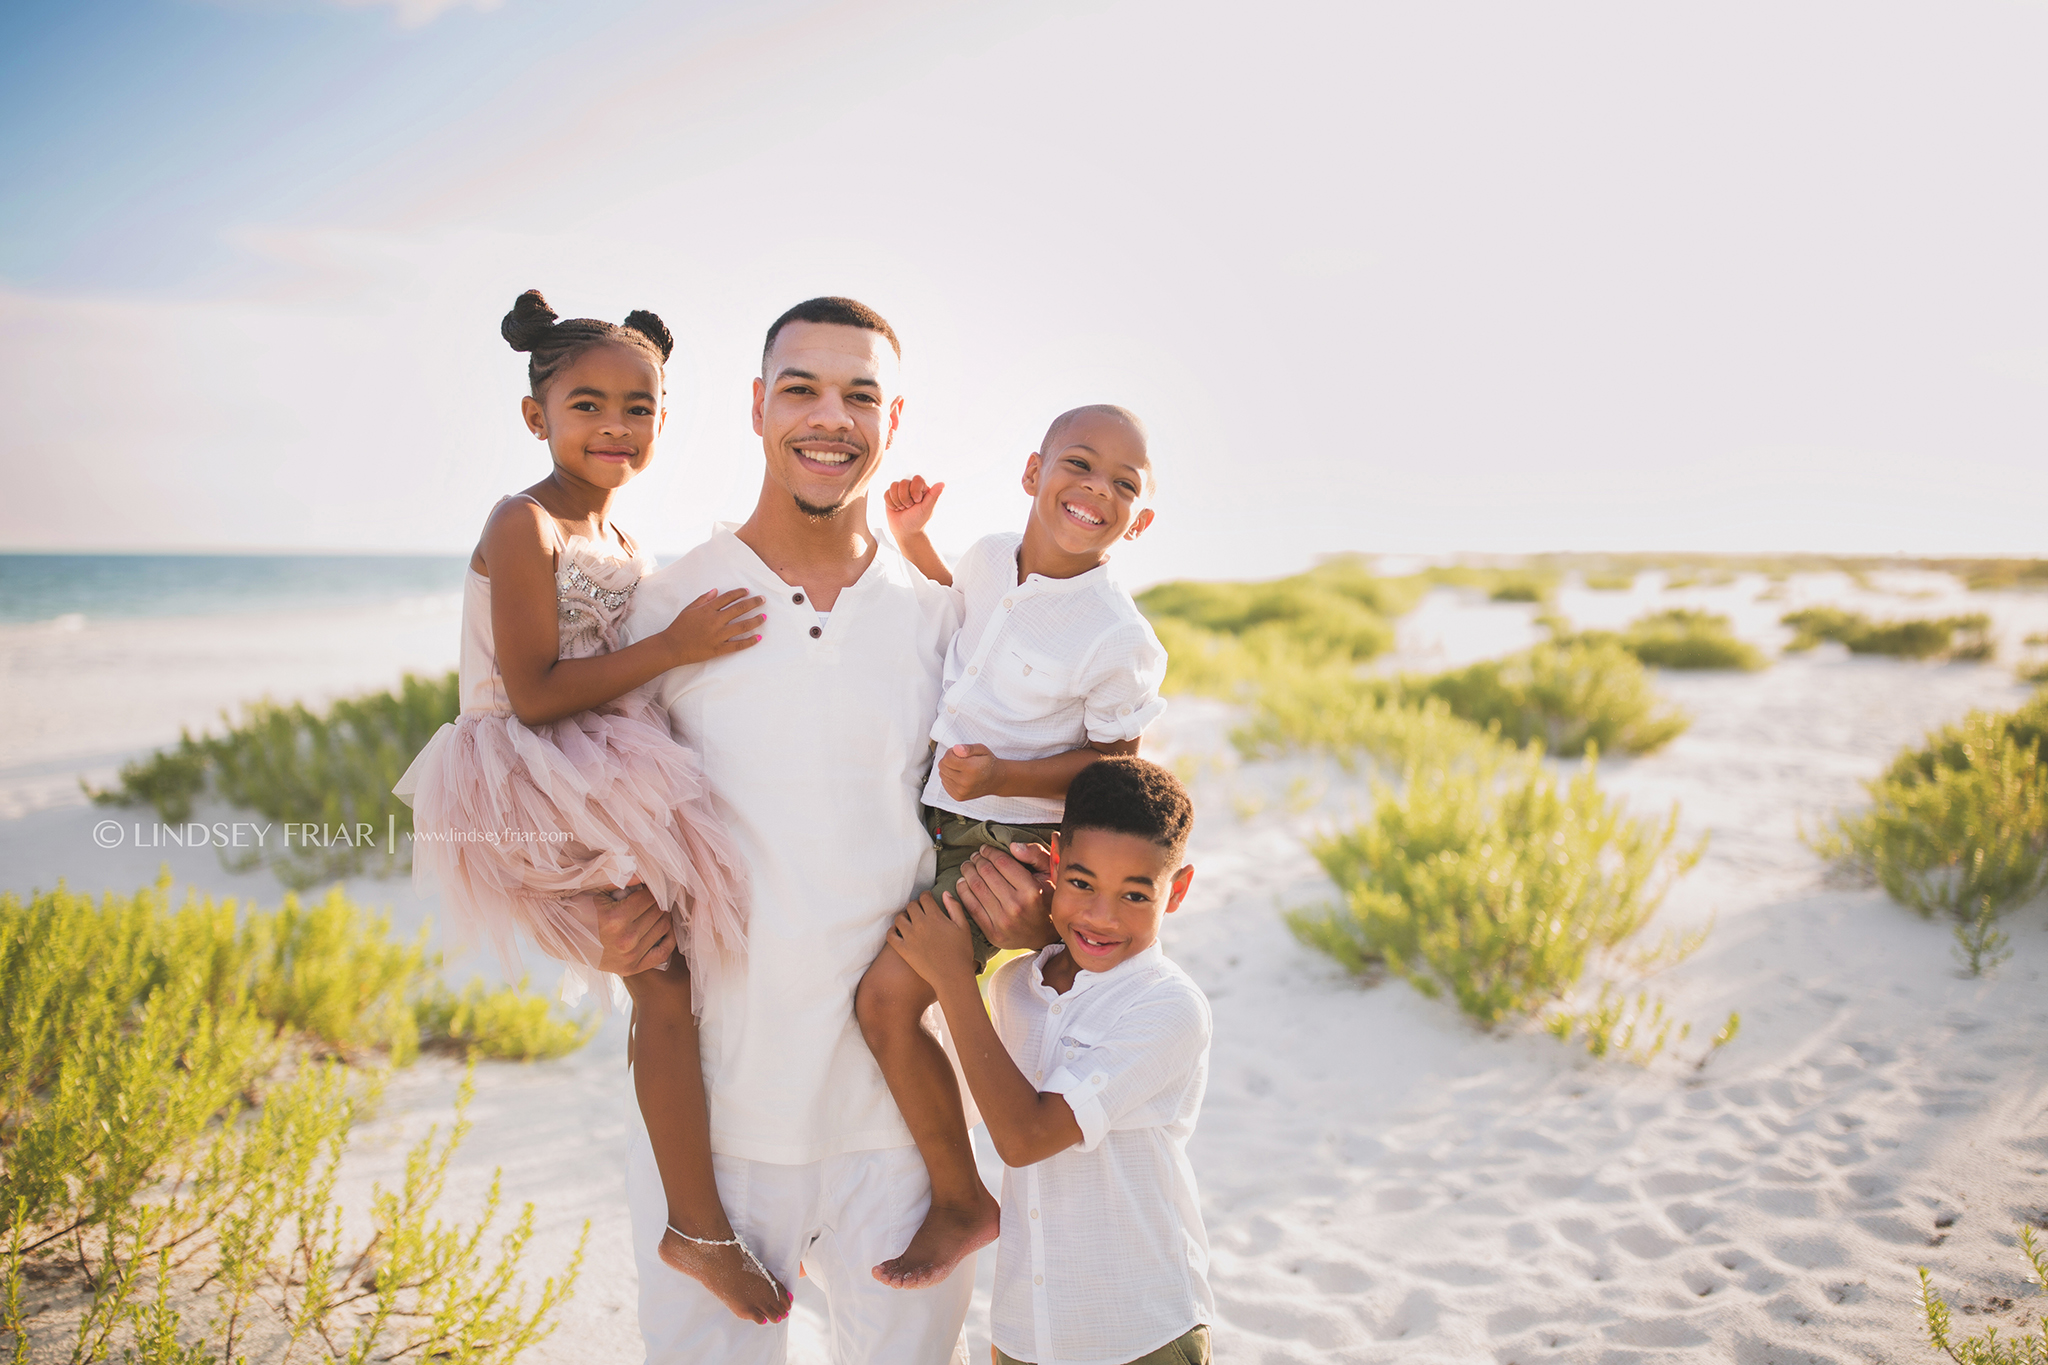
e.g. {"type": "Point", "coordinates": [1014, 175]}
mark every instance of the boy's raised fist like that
{"type": "Point", "coordinates": [910, 502]}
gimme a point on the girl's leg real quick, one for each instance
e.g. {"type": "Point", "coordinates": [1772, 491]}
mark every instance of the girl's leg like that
{"type": "Point", "coordinates": [964, 1216]}
{"type": "Point", "coordinates": [668, 1077]}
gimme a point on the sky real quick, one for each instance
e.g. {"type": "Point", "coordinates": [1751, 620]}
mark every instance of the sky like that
{"type": "Point", "coordinates": [1424, 277]}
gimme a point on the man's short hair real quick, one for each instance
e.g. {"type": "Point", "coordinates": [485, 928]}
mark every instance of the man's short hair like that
{"type": "Point", "coordinates": [1125, 794]}
{"type": "Point", "coordinates": [842, 312]}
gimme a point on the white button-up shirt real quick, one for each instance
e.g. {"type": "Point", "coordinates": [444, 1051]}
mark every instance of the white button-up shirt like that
{"type": "Point", "coordinates": [814, 743]}
{"type": "Point", "coordinates": [1103, 1256]}
{"type": "Point", "coordinates": [1039, 668]}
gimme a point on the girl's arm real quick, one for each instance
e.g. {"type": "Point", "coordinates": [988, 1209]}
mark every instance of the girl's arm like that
{"type": "Point", "coordinates": [518, 552]}
{"type": "Point", "coordinates": [970, 770]}
{"type": "Point", "coordinates": [910, 503]}
{"type": "Point", "coordinates": [1026, 1125]}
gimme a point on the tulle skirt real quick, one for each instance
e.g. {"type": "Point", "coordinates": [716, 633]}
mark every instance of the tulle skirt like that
{"type": "Point", "coordinates": [509, 820]}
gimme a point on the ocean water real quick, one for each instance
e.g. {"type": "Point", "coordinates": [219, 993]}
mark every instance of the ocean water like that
{"type": "Point", "coordinates": [50, 587]}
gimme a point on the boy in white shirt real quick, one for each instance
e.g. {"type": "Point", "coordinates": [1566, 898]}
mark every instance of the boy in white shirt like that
{"type": "Point", "coordinates": [1090, 1079]}
{"type": "Point", "coordinates": [1053, 668]}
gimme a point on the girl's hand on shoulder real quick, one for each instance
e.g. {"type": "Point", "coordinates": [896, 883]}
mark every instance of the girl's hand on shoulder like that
{"type": "Point", "coordinates": [713, 625]}
{"type": "Point", "coordinates": [910, 503]}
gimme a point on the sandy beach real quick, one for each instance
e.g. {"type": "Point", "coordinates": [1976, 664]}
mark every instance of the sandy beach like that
{"type": "Point", "coordinates": [1381, 1181]}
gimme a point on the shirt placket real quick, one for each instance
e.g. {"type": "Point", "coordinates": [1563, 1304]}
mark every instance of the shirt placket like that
{"type": "Point", "coordinates": [978, 664]}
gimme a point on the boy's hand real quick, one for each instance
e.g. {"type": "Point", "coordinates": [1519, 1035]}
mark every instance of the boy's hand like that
{"type": "Point", "coordinates": [970, 770]}
{"type": "Point", "coordinates": [934, 939]}
{"type": "Point", "coordinates": [710, 626]}
{"type": "Point", "coordinates": [910, 503]}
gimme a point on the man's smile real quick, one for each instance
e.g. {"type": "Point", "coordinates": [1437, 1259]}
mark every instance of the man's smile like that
{"type": "Point", "coordinates": [826, 459]}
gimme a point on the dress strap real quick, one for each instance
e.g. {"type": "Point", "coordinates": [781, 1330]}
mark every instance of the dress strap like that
{"type": "Point", "coordinates": [554, 530]}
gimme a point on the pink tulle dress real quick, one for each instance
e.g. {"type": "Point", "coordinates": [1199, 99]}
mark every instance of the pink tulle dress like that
{"type": "Point", "coordinates": [509, 819]}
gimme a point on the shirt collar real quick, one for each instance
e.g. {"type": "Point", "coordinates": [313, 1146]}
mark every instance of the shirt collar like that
{"type": "Point", "coordinates": [887, 565]}
{"type": "Point", "coordinates": [1087, 980]}
{"type": "Point", "coordinates": [1040, 583]}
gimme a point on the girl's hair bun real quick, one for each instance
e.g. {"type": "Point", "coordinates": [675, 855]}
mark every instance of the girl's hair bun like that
{"type": "Point", "coordinates": [651, 327]}
{"type": "Point", "coordinates": [529, 321]}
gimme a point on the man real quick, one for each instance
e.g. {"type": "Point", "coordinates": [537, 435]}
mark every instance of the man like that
{"type": "Point", "coordinates": [814, 742]}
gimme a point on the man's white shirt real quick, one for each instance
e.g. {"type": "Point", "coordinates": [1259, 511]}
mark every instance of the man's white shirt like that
{"type": "Point", "coordinates": [815, 744]}
{"type": "Point", "coordinates": [1103, 1256]}
{"type": "Point", "coordinates": [1040, 668]}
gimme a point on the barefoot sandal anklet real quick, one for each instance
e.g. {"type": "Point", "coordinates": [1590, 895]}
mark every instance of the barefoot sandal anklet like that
{"type": "Point", "coordinates": [733, 1241]}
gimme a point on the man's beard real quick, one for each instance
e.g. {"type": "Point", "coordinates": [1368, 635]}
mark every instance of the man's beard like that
{"type": "Point", "coordinates": [817, 513]}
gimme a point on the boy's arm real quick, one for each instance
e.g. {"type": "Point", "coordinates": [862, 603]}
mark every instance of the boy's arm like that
{"type": "Point", "coordinates": [1026, 1126]}
{"type": "Point", "coordinates": [910, 503]}
{"type": "Point", "coordinates": [970, 770]}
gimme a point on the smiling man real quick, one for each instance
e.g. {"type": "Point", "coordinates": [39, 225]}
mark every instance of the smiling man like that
{"type": "Point", "coordinates": [814, 742]}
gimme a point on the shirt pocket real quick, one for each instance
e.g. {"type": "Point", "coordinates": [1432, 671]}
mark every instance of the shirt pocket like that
{"type": "Point", "coordinates": [1039, 684]}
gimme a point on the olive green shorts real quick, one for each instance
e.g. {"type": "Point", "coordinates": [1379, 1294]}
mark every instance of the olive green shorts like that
{"type": "Point", "coordinates": [1189, 1348]}
{"type": "Point", "coordinates": [956, 837]}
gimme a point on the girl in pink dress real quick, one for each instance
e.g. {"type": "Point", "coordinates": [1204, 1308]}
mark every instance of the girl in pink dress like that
{"type": "Point", "coordinates": [560, 776]}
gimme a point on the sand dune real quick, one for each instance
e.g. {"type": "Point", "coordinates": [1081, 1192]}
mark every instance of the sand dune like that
{"type": "Point", "coordinates": [1381, 1181]}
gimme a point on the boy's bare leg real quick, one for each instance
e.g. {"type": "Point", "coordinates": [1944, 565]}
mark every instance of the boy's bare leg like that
{"type": "Point", "coordinates": [668, 1077]}
{"type": "Point", "coordinates": [964, 1216]}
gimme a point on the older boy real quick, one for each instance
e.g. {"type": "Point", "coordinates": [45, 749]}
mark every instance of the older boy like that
{"type": "Point", "coordinates": [1053, 668]}
{"type": "Point", "coordinates": [1090, 1079]}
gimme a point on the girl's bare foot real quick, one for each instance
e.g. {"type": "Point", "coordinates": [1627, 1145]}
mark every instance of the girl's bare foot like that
{"type": "Point", "coordinates": [729, 1273]}
{"type": "Point", "coordinates": [949, 1234]}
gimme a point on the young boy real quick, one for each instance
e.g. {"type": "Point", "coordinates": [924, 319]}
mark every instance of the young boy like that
{"type": "Point", "coordinates": [1053, 668]}
{"type": "Point", "coordinates": [1090, 1079]}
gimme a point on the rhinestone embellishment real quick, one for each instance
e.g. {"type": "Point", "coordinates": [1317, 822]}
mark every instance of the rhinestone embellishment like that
{"type": "Point", "coordinates": [576, 583]}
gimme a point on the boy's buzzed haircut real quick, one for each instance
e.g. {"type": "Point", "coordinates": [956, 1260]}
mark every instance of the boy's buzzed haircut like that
{"type": "Point", "coordinates": [1126, 794]}
{"type": "Point", "coordinates": [841, 312]}
{"type": "Point", "coordinates": [1071, 415]}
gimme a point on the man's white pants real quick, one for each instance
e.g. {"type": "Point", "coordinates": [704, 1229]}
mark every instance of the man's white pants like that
{"type": "Point", "coordinates": [839, 1217]}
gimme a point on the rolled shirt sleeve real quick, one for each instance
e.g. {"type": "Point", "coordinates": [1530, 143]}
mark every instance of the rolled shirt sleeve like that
{"type": "Point", "coordinates": [1124, 675]}
{"type": "Point", "coordinates": [1133, 1077]}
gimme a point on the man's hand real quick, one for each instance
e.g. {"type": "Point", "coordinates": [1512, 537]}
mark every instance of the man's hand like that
{"type": "Point", "coordinates": [910, 503]}
{"type": "Point", "coordinates": [1009, 896]}
{"type": "Point", "coordinates": [934, 940]}
{"type": "Point", "coordinates": [970, 770]}
{"type": "Point", "coordinates": [633, 933]}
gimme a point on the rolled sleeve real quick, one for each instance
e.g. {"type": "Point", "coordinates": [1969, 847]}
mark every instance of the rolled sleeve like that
{"type": "Point", "coordinates": [1123, 687]}
{"type": "Point", "coordinates": [1133, 1077]}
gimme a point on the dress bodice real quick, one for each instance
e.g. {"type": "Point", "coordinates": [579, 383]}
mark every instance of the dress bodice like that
{"type": "Point", "coordinates": [594, 583]}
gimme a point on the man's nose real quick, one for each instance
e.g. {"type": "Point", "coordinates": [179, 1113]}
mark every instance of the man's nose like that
{"type": "Point", "coordinates": [831, 413]}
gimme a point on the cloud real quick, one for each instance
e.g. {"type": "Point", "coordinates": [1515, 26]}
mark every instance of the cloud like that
{"type": "Point", "coordinates": [418, 13]}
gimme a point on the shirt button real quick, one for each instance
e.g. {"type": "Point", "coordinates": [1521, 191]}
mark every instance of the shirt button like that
{"type": "Point", "coordinates": [1038, 1075]}
{"type": "Point", "coordinates": [971, 671]}
{"type": "Point", "coordinates": [1034, 1213]}
{"type": "Point", "coordinates": [1070, 1054]}
{"type": "Point", "coordinates": [1027, 670]}
{"type": "Point", "coordinates": [1006, 604]}
{"type": "Point", "coordinates": [1055, 1009]}
{"type": "Point", "coordinates": [1038, 1279]}
{"type": "Point", "coordinates": [1124, 711]}
{"type": "Point", "coordinates": [816, 631]}
{"type": "Point", "coordinates": [952, 710]}
{"type": "Point", "coordinates": [797, 598]}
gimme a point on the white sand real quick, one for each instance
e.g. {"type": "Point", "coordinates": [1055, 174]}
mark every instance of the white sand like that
{"type": "Point", "coordinates": [1382, 1182]}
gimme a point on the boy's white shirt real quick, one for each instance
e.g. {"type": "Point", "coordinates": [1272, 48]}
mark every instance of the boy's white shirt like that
{"type": "Point", "coordinates": [1103, 1256]}
{"type": "Point", "coordinates": [1040, 668]}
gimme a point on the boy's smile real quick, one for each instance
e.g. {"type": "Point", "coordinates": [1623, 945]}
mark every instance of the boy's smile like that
{"type": "Point", "coordinates": [1110, 892]}
{"type": "Point", "coordinates": [1088, 490]}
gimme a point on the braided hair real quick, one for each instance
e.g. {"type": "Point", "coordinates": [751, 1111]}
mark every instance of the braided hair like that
{"type": "Point", "coordinates": [552, 345]}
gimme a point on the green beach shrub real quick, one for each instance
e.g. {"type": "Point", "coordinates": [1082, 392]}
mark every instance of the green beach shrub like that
{"type": "Point", "coordinates": [1681, 638]}
{"type": "Point", "coordinates": [1958, 826]}
{"type": "Point", "coordinates": [1343, 716]}
{"type": "Point", "coordinates": [1495, 882]}
{"type": "Point", "coordinates": [1610, 582]}
{"type": "Point", "coordinates": [333, 769]}
{"type": "Point", "coordinates": [1963, 639]}
{"type": "Point", "coordinates": [1987, 1349]}
{"type": "Point", "coordinates": [169, 1133]}
{"type": "Point", "coordinates": [1569, 698]}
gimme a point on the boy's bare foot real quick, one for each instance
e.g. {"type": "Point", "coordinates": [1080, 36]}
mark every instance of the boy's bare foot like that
{"type": "Point", "coordinates": [729, 1274]}
{"type": "Point", "coordinates": [949, 1235]}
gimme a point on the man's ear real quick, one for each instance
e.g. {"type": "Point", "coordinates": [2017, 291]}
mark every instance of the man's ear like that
{"type": "Point", "coordinates": [895, 420]}
{"type": "Point", "coordinates": [1032, 463]}
{"type": "Point", "coordinates": [1139, 523]}
{"type": "Point", "coordinates": [760, 398]}
{"type": "Point", "coordinates": [1182, 880]}
{"type": "Point", "coordinates": [535, 415]}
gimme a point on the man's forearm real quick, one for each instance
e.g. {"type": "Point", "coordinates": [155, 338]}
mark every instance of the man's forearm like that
{"type": "Point", "coordinates": [1026, 1126]}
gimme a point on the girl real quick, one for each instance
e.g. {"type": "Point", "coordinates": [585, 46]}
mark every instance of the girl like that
{"type": "Point", "coordinates": [560, 777]}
